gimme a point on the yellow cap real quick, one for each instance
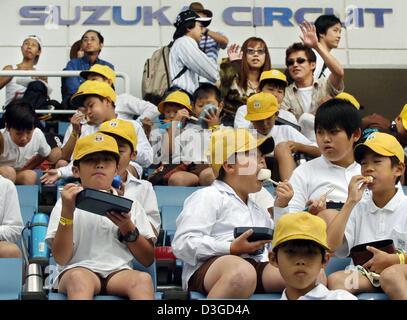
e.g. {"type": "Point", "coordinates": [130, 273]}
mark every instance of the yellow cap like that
{"type": "Point", "coordinates": [403, 116]}
{"type": "Point", "coordinates": [381, 143]}
{"type": "Point", "coordinates": [91, 87]}
{"type": "Point", "coordinates": [226, 142]}
{"type": "Point", "coordinates": [101, 69]}
{"type": "Point", "coordinates": [121, 128]}
{"type": "Point", "coordinates": [349, 98]}
{"type": "Point", "coordinates": [261, 106]}
{"type": "Point", "coordinates": [96, 142]}
{"type": "Point", "coordinates": [300, 226]}
{"type": "Point", "coordinates": [273, 74]}
{"type": "Point", "coordinates": [177, 97]}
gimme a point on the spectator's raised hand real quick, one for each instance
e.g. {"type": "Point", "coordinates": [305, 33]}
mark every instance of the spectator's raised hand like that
{"type": "Point", "coordinates": [50, 176]}
{"type": "Point", "coordinates": [234, 52]}
{"type": "Point", "coordinates": [309, 34]}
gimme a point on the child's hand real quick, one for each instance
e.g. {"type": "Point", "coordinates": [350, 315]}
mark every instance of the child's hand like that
{"type": "Point", "coordinates": [147, 125]}
{"type": "Point", "coordinates": [316, 206]}
{"type": "Point", "coordinates": [357, 186]}
{"type": "Point", "coordinates": [381, 260]}
{"type": "Point", "coordinates": [76, 122]}
{"type": "Point", "coordinates": [50, 176]}
{"type": "Point", "coordinates": [68, 195]}
{"type": "Point", "coordinates": [234, 52]}
{"type": "Point", "coordinates": [122, 220]}
{"type": "Point", "coordinates": [284, 192]}
{"type": "Point", "coordinates": [181, 114]}
{"type": "Point", "coordinates": [212, 118]}
{"type": "Point", "coordinates": [240, 245]}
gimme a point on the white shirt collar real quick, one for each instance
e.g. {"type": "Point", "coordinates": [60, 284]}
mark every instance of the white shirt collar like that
{"type": "Point", "coordinates": [330, 164]}
{"type": "Point", "coordinates": [391, 206]}
{"type": "Point", "coordinates": [318, 293]}
{"type": "Point", "coordinates": [131, 178]}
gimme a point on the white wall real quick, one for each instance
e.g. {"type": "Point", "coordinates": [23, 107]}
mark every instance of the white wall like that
{"type": "Point", "coordinates": [127, 47]}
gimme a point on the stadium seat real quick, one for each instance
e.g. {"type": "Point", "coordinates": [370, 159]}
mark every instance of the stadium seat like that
{"type": "Point", "coordinates": [11, 275]}
{"type": "Point", "coordinates": [405, 189]}
{"type": "Point", "coordinates": [257, 296]}
{"type": "Point", "coordinates": [372, 296]}
{"type": "Point", "coordinates": [169, 216]}
{"type": "Point", "coordinates": [28, 195]}
{"type": "Point", "coordinates": [26, 213]}
{"type": "Point", "coordinates": [173, 196]}
{"type": "Point", "coordinates": [62, 127]}
{"type": "Point", "coordinates": [337, 264]}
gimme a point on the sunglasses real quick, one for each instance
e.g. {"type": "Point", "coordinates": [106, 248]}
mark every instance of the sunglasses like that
{"type": "Point", "coordinates": [300, 60]}
{"type": "Point", "coordinates": [251, 51]}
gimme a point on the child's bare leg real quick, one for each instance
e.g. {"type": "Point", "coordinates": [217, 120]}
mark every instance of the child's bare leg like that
{"type": "Point", "coordinates": [183, 178]}
{"type": "Point", "coordinates": [61, 163]}
{"type": "Point", "coordinates": [27, 177]}
{"type": "Point", "coordinates": [134, 284]}
{"type": "Point", "coordinates": [206, 177]}
{"type": "Point", "coordinates": [328, 215]}
{"type": "Point", "coordinates": [79, 284]}
{"type": "Point", "coordinates": [393, 281]}
{"type": "Point", "coordinates": [8, 173]}
{"type": "Point", "coordinates": [350, 280]}
{"type": "Point", "coordinates": [272, 279]}
{"type": "Point", "coordinates": [284, 157]}
{"type": "Point", "coordinates": [230, 277]}
{"type": "Point", "coordinates": [9, 250]}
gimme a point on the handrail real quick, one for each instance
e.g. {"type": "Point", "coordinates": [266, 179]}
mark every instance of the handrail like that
{"type": "Point", "coordinates": [62, 73]}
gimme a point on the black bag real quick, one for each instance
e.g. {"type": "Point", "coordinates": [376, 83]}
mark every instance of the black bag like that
{"type": "Point", "coordinates": [36, 95]}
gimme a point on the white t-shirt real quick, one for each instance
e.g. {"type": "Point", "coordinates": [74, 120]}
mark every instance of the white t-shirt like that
{"type": "Point", "coordinates": [263, 198]}
{"type": "Point", "coordinates": [305, 94]}
{"type": "Point", "coordinates": [11, 222]}
{"type": "Point", "coordinates": [143, 192]}
{"type": "Point", "coordinates": [16, 157]}
{"type": "Point", "coordinates": [320, 292]}
{"type": "Point", "coordinates": [95, 240]}
{"type": "Point", "coordinates": [369, 223]}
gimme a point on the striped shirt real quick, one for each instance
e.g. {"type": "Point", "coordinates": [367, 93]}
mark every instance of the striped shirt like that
{"type": "Point", "coordinates": [210, 47]}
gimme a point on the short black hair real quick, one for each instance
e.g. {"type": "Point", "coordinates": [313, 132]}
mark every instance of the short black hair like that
{"type": "Point", "coordinates": [221, 175]}
{"type": "Point", "coordinates": [324, 22]}
{"type": "Point", "coordinates": [300, 243]}
{"type": "Point", "coordinates": [100, 37]}
{"type": "Point", "coordinates": [278, 83]}
{"type": "Point", "coordinates": [205, 89]}
{"type": "Point", "coordinates": [183, 29]}
{"type": "Point", "coordinates": [20, 115]}
{"type": "Point", "coordinates": [299, 46]}
{"type": "Point", "coordinates": [338, 113]}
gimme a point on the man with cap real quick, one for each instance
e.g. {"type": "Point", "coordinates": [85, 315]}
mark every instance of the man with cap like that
{"type": "Point", "coordinates": [300, 251]}
{"type": "Point", "coordinates": [215, 263]}
{"type": "Point", "coordinates": [211, 41]}
{"type": "Point", "coordinates": [262, 112]}
{"type": "Point", "coordinates": [92, 44]}
{"type": "Point", "coordinates": [379, 216]}
{"type": "Point", "coordinates": [187, 61]}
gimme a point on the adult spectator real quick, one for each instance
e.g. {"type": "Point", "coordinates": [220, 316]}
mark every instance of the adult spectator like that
{"type": "Point", "coordinates": [76, 50]}
{"type": "Point", "coordinates": [240, 75]}
{"type": "Point", "coordinates": [92, 44]}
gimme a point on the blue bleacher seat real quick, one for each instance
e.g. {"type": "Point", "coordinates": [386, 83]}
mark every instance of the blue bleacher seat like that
{"type": "Point", "coordinates": [28, 195]}
{"type": "Point", "coordinates": [372, 296]}
{"type": "Point", "coordinates": [11, 275]}
{"type": "Point", "coordinates": [27, 213]}
{"type": "Point", "coordinates": [169, 216]}
{"type": "Point", "coordinates": [173, 196]}
{"type": "Point", "coordinates": [257, 296]}
{"type": "Point", "coordinates": [62, 127]}
{"type": "Point", "coordinates": [405, 189]}
{"type": "Point", "coordinates": [337, 264]}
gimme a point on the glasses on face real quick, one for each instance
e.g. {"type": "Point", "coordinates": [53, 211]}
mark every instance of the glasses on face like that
{"type": "Point", "coordinates": [251, 51]}
{"type": "Point", "coordinates": [300, 60]}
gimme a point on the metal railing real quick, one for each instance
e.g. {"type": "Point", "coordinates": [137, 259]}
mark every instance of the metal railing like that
{"type": "Point", "coordinates": [38, 73]}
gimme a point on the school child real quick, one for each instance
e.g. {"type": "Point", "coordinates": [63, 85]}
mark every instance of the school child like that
{"type": "Point", "coordinates": [215, 263]}
{"type": "Point", "coordinates": [131, 187]}
{"type": "Point", "coordinates": [262, 112]}
{"type": "Point", "coordinates": [11, 222]}
{"type": "Point", "coordinates": [377, 217]}
{"type": "Point", "coordinates": [94, 253]}
{"type": "Point", "coordinates": [271, 81]}
{"type": "Point", "coordinates": [23, 147]}
{"type": "Point", "coordinates": [300, 251]}
{"type": "Point", "coordinates": [322, 182]}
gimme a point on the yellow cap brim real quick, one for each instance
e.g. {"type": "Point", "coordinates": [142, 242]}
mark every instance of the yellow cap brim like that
{"type": "Point", "coordinates": [361, 148]}
{"type": "Point", "coordinates": [300, 237]}
{"type": "Point", "coordinates": [404, 121]}
{"type": "Point", "coordinates": [260, 116]}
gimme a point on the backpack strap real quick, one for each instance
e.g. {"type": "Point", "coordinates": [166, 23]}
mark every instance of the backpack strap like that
{"type": "Point", "coordinates": [184, 69]}
{"type": "Point", "coordinates": [167, 72]}
{"type": "Point", "coordinates": [324, 66]}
